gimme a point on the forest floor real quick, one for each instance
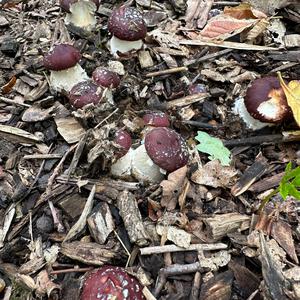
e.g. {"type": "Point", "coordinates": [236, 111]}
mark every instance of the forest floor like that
{"type": "Point", "coordinates": [202, 232]}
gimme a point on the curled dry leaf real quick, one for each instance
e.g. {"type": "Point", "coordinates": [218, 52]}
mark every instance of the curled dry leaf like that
{"type": "Point", "coordinates": [215, 175]}
{"type": "Point", "coordinates": [292, 93]}
{"type": "Point", "coordinates": [172, 187]}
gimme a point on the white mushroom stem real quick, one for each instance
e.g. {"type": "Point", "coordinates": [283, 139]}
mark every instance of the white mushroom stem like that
{"type": "Point", "coordinates": [66, 79]}
{"type": "Point", "coordinates": [241, 110]}
{"type": "Point", "coordinates": [82, 15]}
{"type": "Point", "coordinates": [117, 45]}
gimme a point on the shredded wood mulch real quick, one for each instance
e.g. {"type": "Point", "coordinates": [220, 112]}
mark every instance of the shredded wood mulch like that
{"type": "Point", "coordinates": [197, 234]}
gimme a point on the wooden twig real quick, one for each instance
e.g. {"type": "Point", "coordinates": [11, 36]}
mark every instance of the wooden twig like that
{"type": "Point", "coordinates": [71, 270]}
{"type": "Point", "coordinates": [184, 101]}
{"type": "Point", "coordinates": [174, 248]}
{"type": "Point", "coordinates": [168, 71]}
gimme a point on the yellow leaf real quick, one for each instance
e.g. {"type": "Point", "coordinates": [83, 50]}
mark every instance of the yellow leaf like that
{"type": "Point", "coordinates": [292, 93]}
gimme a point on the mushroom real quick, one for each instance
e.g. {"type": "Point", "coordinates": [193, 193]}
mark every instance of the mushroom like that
{"type": "Point", "coordinates": [264, 105]}
{"type": "Point", "coordinates": [84, 93]}
{"type": "Point", "coordinates": [156, 119]}
{"type": "Point", "coordinates": [164, 151]}
{"type": "Point", "coordinates": [128, 28]}
{"type": "Point", "coordinates": [122, 167]}
{"type": "Point", "coordinates": [65, 71]}
{"type": "Point", "coordinates": [109, 282]}
{"type": "Point", "coordinates": [80, 13]}
{"type": "Point", "coordinates": [107, 79]}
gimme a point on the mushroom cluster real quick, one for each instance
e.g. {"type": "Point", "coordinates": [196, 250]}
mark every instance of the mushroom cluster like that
{"type": "Point", "coordinates": [163, 150]}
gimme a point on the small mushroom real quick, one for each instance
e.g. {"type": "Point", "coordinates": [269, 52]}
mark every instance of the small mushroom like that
{"type": "Point", "coordinates": [265, 104]}
{"type": "Point", "coordinates": [122, 167]}
{"type": "Point", "coordinates": [84, 93]}
{"type": "Point", "coordinates": [111, 282]}
{"type": "Point", "coordinates": [65, 71]}
{"type": "Point", "coordinates": [107, 79]}
{"type": "Point", "coordinates": [166, 148]}
{"type": "Point", "coordinates": [164, 151]}
{"type": "Point", "coordinates": [80, 13]}
{"type": "Point", "coordinates": [123, 139]}
{"type": "Point", "coordinates": [156, 119]}
{"type": "Point", "coordinates": [128, 28]}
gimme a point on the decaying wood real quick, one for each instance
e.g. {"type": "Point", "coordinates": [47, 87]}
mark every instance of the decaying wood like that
{"type": "Point", "coordinates": [132, 218]}
{"type": "Point", "coordinates": [219, 225]}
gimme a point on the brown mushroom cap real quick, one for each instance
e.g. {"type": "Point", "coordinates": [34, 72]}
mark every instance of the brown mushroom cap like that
{"type": "Point", "coordinates": [65, 4]}
{"type": "Point", "coordinates": [85, 92]}
{"type": "Point", "coordinates": [265, 100]}
{"type": "Point", "coordinates": [166, 148]}
{"type": "Point", "coordinates": [106, 78]}
{"type": "Point", "coordinates": [111, 282]}
{"type": "Point", "coordinates": [156, 119]}
{"type": "Point", "coordinates": [123, 139]}
{"type": "Point", "coordinates": [127, 23]}
{"type": "Point", "coordinates": [62, 57]}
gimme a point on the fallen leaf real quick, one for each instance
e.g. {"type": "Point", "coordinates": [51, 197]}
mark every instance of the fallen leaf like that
{"type": "Point", "coordinates": [70, 129]}
{"type": "Point", "coordinates": [243, 11]}
{"type": "Point", "coordinates": [214, 147]}
{"type": "Point", "coordinates": [292, 93]}
{"type": "Point", "coordinates": [215, 175]}
{"type": "Point", "coordinates": [8, 86]}
{"type": "Point", "coordinates": [224, 26]}
{"type": "Point", "coordinates": [171, 188]}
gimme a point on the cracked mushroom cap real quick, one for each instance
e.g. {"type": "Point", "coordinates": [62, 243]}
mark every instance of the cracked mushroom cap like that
{"type": "Point", "coordinates": [62, 57]}
{"type": "Point", "coordinates": [85, 92]}
{"type": "Point", "coordinates": [111, 282]}
{"type": "Point", "coordinates": [166, 148]}
{"type": "Point", "coordinates": [127, 23]}
{"type": "Point", "coordinates": [66, 4]}
{"type": "Point", "coordinates": [156, 119]}
{"type": "Point", "coordinates": [106, 78]}
{"type": "Point", "coordinates": [265, 100]}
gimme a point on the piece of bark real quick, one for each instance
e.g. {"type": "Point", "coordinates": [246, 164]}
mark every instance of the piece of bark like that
{"type": "Point", "coordinates": [219, 225]}
{"type": "Point", "coordinates": [255, 171]}
{"type": "Point", "coordinates": [73, 205]}
{"type": "Point", "coordinates": [101, 223]}
{"type": "Point", "coordinates": [274, 281]}
{"type": "Point", "coordinates": [89, 253]}
{"type": "Point", "coordinates": [132, 219]}
{"type": "Point", "coordinates": [281, 231]}
{"type": "Point", "coordinates": [218, 287]}
{"type": "Point", "coordinates": [266, 183]}
{"type": "Point", "coordinates": [247, 281]}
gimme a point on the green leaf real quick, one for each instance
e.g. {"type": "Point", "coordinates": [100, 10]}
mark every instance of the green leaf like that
{"type": "Point", "coordinates": [284, 190]}
{"type": "Point", "coordinates": [214, 147]}
{"type": "Point", "coordinates": [294, 192]}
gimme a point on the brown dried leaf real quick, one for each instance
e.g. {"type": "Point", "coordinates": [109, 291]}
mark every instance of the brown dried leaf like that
{"type": "Point", "coordinates": [243, 11]}
{"type": "Point", "coordinates": [172, 187]}
{"type": "Point", "coordinates": [70, 129]}
{"type": "Point", "coordinates": [45, 285]}
{"type": "Point", "coordinates": [215, 175]}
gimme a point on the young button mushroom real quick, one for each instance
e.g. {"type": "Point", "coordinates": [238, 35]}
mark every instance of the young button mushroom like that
{"type": "Point", "coordinates": [107, 79]}
{"type": "Point", "coordinates": [80, 13]}
{"type": "Point", "coordinates": [156, 119]}
{"type": "Point", "coordinates": [264, 105]}
{"type": "Point", "coordinates": [111, 282]}
{"type": "Point", "coordinates": [128, 28]}
{"type": "Point", "coordinates": [84, 93]}
{"type": "Point", "coordinates": [65, 71]}
{"type": "Point", "coordinates": [122, 167]}
{"type": "Point", "coordinates": [164, 151]}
